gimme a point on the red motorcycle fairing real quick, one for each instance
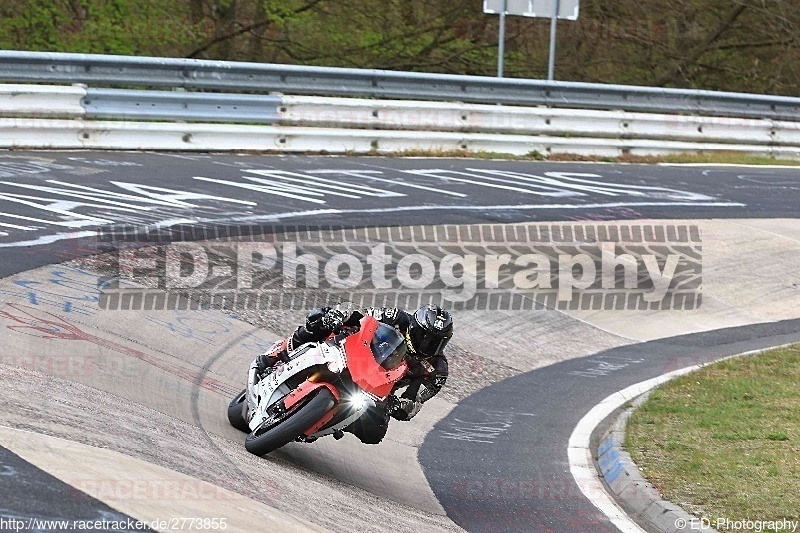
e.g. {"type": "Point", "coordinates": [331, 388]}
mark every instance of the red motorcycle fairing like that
{"type": "Point", "coordinates": [306, 388]}
{"type": "Point", "coordinates": [364, 370]}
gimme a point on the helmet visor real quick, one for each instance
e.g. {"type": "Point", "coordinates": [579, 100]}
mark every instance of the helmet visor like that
{"type": "Point", "coordinates": [429, 343]}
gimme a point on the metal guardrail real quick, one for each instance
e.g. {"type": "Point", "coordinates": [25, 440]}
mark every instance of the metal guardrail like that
{"type": "Point", "coordinates": [180, 120]}
{"type": "Point", "coordinates": [170, 105]}
{"type": "Point", "coordinates": [111, 70]}
{"type": "Point", "coordinates": [406, 115]}
{"type": "Point", "coordinates": [72, 134]}
{"type": "Point", "coordinates": [396, 115]}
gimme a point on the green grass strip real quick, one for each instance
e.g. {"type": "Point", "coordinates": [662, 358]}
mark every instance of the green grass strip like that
{"type": "Point", "coordinates": [724, 442]}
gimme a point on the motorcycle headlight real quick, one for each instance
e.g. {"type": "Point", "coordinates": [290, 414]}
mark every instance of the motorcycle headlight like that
{"type": "Point", "coordinates": [358, 402]}
{"type": "Point", "coordinates": [361, 400]}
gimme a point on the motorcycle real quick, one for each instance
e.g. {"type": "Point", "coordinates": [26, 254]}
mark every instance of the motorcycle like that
{"type": "Point", "coordinates": [321, 389]}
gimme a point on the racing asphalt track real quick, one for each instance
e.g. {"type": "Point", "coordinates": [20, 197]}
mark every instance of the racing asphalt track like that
{"type": "Point", "coordinates": [498, 460]}
{"type": "Point", "coordinates": [235, 189]}
{"type": "Point", "coordinates": [506, 463]}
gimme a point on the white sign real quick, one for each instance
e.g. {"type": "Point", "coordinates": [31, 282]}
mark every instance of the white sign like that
{"type": "Point", "coordinates": [567, 9]}
{"type": "Point", "coordinates": [513, 7]}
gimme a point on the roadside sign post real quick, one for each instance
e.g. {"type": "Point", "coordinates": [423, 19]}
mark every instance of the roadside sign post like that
{"type": "Point", "coordinates": [551, 62]}
{"type": "Point", "coordinates": [501, 40]}
{"type": "Point", "coordinates": [552, 9]}
{"type": "Point", "coordinates": [503, 8]}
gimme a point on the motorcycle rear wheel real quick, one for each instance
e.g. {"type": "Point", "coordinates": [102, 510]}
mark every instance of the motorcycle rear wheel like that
{"type": "Point", "coordinates": [264, 440]}
{"type": "Point", "coordinates": [236, 412]}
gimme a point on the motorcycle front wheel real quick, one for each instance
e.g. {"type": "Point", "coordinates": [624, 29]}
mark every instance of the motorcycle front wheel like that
{"type": "Point", "coordinates": [236, 412]}
{"type": "Point", "coordinates": [272, 434]}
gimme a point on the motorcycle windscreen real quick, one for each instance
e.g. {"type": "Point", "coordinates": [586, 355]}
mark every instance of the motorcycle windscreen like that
{"type": "Point", "coordinates": [367, 350]}
{"type": "Point", "coordinates": [388, 347]}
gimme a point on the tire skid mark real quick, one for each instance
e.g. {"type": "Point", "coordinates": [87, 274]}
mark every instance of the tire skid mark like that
{"type": "Point", "coordinates": [44, 325]}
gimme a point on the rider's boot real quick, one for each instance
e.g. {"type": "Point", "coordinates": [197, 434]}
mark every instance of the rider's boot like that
{"type": "Point", "coordinates": [278, 352]}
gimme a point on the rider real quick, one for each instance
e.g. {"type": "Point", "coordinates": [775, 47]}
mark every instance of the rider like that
{"type": "Point", "coordinates": [427, 332]}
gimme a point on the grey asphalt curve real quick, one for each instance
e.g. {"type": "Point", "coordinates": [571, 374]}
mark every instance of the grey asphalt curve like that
{"type": "Point", "coordinates": [498, 461]}
{"type": "Point", "coordinates": [33, 500]}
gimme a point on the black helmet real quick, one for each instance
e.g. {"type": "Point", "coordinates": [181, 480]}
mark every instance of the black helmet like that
{"type": "Point", "coordinates": [430, 331]}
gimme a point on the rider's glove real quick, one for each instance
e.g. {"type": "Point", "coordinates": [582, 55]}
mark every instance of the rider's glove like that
{"type": "Point", "coordinates": [333, 320]}
{"type": "Point", "coordinates": [392, 404]}
{"type": "Point", "coordinates": [314, 320]}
